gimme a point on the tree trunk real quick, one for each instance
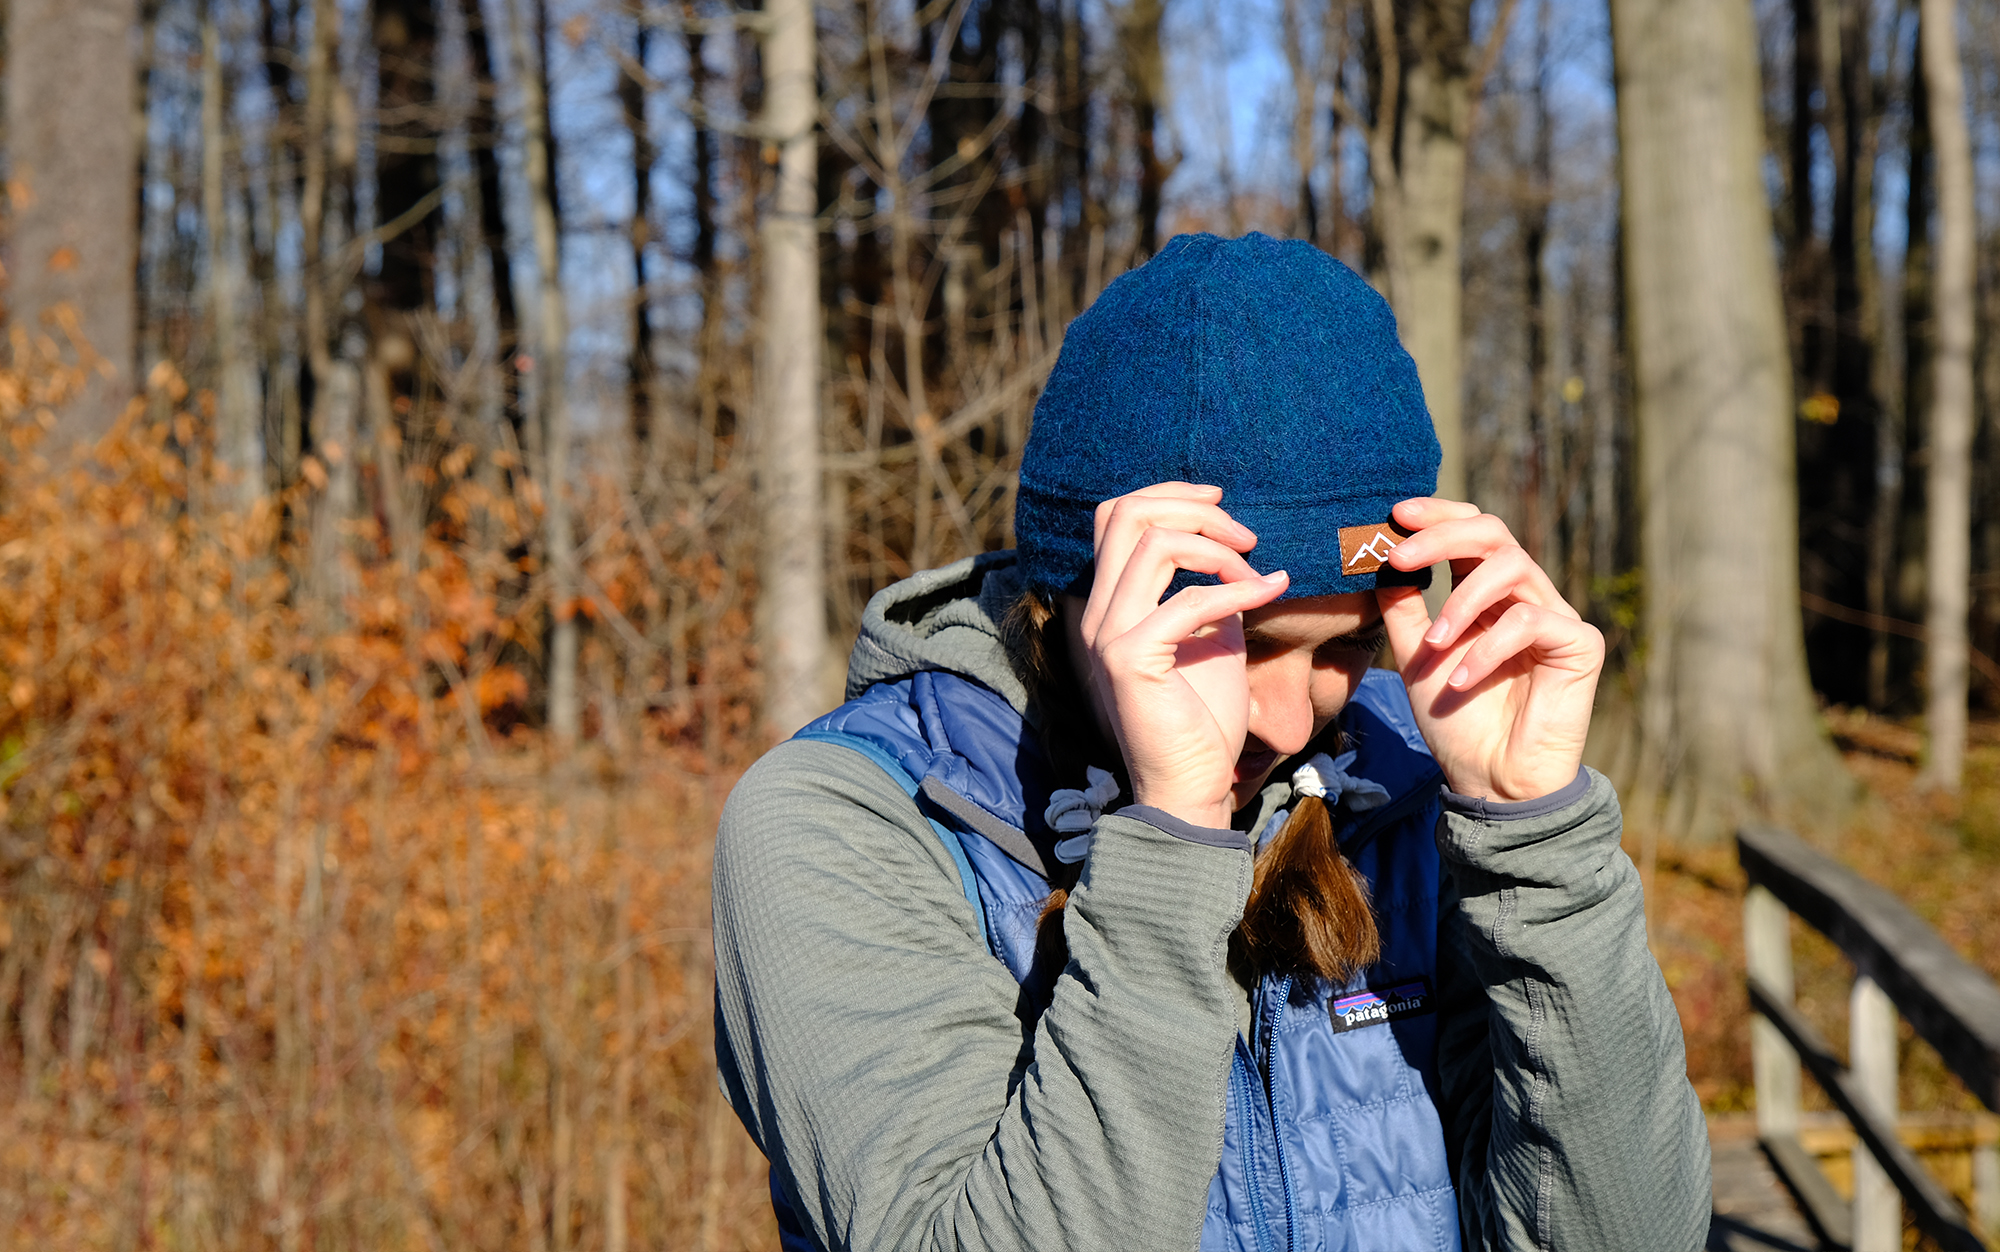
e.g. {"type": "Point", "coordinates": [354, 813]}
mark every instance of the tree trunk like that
{"type": "Point", "coordinates": [1305, 100]}
{"type": "Point", "coordinates": [1728, 718]}
{"type": "Point", "coordinates": [277, 339]}
{"type": "Point", "coordinates": [552, 332]}
{"type": "Point", "coordinates": [1539, 506]}
{"type": "Point", "coordinates": [333, 416]}
{"type": "Point", "coordinates": [1843, 442]}
{"type": "Point", "coordinates": [1146, 79]}
{"type": "Point", "coordinates": [483, 138]}
{"type": "Point", "coordinates": [792, 595]}
{"type": "Point", "coordinates": [74, 161]}
{"type": "Point", "coordinates": [702, 177]}
{"type": "Point", "coordinates": [1948, 567]}
{"type": "Point", "coordinates": [1425, 282]}
{"type": "Point", "coordinates": [639, 363]}
{"type": "Point", "coordinates": [1420, 82]}
{"type": "Point", "coordinates": [407, 169]}
{"type": "Point", "coordinates": [237, 445]}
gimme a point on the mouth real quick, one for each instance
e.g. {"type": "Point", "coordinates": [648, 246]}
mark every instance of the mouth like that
{"type": "Point", "coordinates": [1254, 764]}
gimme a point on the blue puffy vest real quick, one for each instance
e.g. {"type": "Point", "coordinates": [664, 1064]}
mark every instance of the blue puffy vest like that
{"type": "Point", "coordinates": [1331, 1137]}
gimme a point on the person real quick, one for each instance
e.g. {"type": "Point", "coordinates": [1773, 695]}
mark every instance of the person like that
{"type": "Point", "coordinates": [1125, 905]}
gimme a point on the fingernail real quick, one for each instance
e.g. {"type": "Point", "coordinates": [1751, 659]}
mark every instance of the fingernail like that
{"type": "Point", "coordinates": [1439, 632]}
{"type": "Point", "coordinates": [1275, 576]}
{"type": "Point", "coordinates": [1459, 677]}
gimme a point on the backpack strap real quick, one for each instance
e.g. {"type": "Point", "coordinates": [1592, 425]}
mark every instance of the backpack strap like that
{"type": "Point", "coordinates": [894, 769]}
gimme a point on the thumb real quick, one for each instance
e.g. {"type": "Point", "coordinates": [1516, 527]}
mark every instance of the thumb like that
{"type": "Point", "coordinates": [1406, 619]}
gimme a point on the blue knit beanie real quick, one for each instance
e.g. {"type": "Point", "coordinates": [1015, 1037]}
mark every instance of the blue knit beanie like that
{"type": "Point", "coordinates": [1261, 366]}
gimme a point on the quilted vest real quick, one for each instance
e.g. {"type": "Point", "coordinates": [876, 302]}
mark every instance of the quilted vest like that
{"type": "Point", "coordinates": [1331, 1138]}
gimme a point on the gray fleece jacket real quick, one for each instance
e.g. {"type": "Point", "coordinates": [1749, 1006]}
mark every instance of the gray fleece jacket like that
{"type": "Point", "coordinates": [871, 1046]}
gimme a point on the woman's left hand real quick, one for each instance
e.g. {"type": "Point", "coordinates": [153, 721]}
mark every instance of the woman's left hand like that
{"type": "Point", "coordinates": [1502, 681]}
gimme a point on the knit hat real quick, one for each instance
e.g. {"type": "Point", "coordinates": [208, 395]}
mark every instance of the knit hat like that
{"type": "Point", "coordinates": [1258, 365]}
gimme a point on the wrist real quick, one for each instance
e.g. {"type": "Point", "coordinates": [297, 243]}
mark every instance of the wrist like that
{"type": "Point", "coordinates": [1214, 815]}
{"type": "Point", "coordinates": [1494, 803]}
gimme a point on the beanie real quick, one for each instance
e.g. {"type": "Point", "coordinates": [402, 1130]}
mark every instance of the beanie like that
{"type": "Point", "coordinates": [1261, 366]}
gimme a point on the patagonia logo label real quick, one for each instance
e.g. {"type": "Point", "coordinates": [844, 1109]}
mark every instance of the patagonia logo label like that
{"type": "Point", "coordinates": [1410, 998]}
{"type": "Point", "coordinates": [1366, 549]}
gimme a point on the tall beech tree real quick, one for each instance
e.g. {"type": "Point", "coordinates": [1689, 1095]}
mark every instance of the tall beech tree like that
{"type": "Point", "coordinates": [1948, 558]}
{"type": "Point", "coordinates": [1727, 721]}
{"type": "Point", "coordinates": [1425, 76]}
{"type": "Point", "coordinates": [73, 165]}
{"type": "Point", "coordinates": [792, 605]}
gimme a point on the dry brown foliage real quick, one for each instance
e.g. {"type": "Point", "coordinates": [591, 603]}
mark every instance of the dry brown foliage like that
{"type": "Point", "coordinates": [307, 942]}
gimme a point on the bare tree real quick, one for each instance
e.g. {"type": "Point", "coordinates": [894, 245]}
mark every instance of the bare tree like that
{"type": "Point", "coordinates": [1948, 564]}
{"type": "Point", "coordinates": [331, 152]}
{"type": "Point", "coordinates": [1728, 717]}
{"type": "Point", "coordinates": [1426, 74]}
{"type": "Point", "coordinates": [1146, 82]}
{"type": "Point", "coordinates": [236, 427]}
{"type": "Point", "coordinates": [74, 162]}
{"type": "Point", "coordinates": [792, 598]}
{"type": "Point", "coordinates": [641, 369]}
{"type": "Point", "coordinates": [1307, 75]}
{"type": "Point", "coordinates": [551, 369]}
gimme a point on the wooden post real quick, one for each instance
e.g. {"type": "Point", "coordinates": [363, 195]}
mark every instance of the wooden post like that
{"type": "Point", "coordinates": [1774, 1067]}
{"type": "Point", "coordinates": [1986, 1187]}
{"type": "Point", "coordinates": [1871, 1052]}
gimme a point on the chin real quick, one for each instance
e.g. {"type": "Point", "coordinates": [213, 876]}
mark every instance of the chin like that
{"type": "Point", "coordinates": [1243, 793]}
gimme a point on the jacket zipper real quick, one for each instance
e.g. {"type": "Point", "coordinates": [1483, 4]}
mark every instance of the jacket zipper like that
{"type": "Point", "coordinates": [1246, 1130]}
{"type": "Point", "coordinates": [1271, 1100]}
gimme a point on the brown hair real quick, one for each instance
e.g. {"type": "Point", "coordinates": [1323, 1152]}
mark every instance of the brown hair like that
{"type": "Point", "coordinates": [1308, 911]}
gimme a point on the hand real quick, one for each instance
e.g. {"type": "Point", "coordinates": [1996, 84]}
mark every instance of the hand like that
{"type": "Point", "coordinates": [1169, 678]}
{"type": "Point", "coordinates": [1502, 682]}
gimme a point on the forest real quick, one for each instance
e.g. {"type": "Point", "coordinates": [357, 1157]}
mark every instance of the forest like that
{"type": "Point", "coordinates": [448, 440]}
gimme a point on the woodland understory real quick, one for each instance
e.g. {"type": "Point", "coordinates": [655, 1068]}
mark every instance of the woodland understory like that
{"type": "Point", "coordinates": [446, 440]}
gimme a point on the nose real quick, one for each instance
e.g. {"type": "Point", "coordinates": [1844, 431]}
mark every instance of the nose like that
{"type": "Point", "coordinates": [1281, 700]}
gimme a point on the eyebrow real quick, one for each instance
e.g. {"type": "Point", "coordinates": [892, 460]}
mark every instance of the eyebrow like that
{"type": "Point", "coordinates": [1369, 634]}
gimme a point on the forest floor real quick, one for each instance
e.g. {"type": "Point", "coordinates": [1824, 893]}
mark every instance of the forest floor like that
{"type": "Point", "coordinates": [1940, 857]}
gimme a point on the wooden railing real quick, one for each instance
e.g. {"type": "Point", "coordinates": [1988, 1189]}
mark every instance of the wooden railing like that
{"type": "Point", "coordinates": [1900, 965]}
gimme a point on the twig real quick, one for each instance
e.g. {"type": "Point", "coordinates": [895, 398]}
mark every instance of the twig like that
{"type": "Point", "coordinates": [1489, 55]}
{"type": "Point", "coordinates": [1889, 625]}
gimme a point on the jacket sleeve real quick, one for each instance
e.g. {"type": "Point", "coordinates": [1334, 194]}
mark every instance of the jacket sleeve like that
{"type": "Point", "coordinates": [1564, 1079]}
{"type": "Point", "coordinates": [871, 1046]}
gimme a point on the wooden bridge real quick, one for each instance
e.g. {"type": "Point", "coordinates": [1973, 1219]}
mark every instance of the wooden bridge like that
{"type": "Point", "coordinates": [1773, 1185]}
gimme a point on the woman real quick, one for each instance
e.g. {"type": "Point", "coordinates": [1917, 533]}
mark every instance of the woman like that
{"type": "Point", "coordinates": [1125, 906]}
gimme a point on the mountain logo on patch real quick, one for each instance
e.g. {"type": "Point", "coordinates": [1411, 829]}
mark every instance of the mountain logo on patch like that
{"type": "Point", "coordinates": [1366, 549]}
{"type": "Point", "coordinates": [1408, 998]}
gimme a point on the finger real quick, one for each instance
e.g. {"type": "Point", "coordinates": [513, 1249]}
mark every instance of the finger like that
{"type": "Point", "coordinates": [1421, 512]}
{"type": "Point", "coordinates": [1124, 520]}
{"type": "Point", "coordinates": [1161, 631]}
{"type": "Point", "coordinates": [1509, 574]}
{"type": "Point", "coordinates": [1552, 638]}
{"type": "Point", "coordinates": [1453, 539]}
{"type": "Point", "coordinates": [1198, 492]}
{"type": "Point", "coordinates": [1406, 621]}
{"type": "Point", "coordinates": [1158, 553]}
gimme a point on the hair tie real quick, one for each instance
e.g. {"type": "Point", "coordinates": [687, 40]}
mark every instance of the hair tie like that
{"type": "Point", "coordinates": [1075, 813]}
{"type": "Point", "coordinates": [1327, 778]}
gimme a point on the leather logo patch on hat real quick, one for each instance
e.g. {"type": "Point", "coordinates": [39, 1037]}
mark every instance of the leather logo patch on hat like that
{"type": "Point", "coordinates": [1366, 549]}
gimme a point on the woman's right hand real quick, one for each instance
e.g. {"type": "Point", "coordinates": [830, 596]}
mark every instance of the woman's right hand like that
{"type": "Point", "coordinates": [1169, 678]}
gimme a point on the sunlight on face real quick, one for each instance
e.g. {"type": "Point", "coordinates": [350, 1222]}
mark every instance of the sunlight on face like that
{"type": "Point", "coordinates": [1303, 659]}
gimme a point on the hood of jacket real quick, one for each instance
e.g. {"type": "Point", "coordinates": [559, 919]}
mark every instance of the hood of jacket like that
{"type": "Point", "coordinates": [943, 619]}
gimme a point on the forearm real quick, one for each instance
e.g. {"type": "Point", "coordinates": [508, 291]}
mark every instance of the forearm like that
{"type": "Point", "coordinates": [1586, 1134]}
{"type": "Point", "coordinates": [878, 1058]}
